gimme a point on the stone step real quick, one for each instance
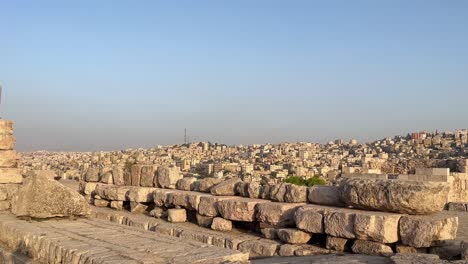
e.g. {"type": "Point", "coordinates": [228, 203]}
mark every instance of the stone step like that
{"type": "Point", "coordinates": [235, 239]}
{"type": "Point", "coordinates": [98, 241]}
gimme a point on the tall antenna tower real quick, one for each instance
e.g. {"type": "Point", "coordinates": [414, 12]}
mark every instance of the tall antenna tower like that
{"type": "Point", "coordinates": [185, 136]}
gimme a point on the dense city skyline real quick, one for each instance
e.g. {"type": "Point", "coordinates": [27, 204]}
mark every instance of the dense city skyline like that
{"type": "Point", "coordinates": [114, 75]}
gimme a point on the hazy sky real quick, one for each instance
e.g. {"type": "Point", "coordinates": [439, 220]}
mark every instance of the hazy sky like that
{"type": "Point", "coordinates": [91, 75]}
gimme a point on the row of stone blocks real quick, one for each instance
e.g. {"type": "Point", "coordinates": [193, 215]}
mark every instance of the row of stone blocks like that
{"type": "Point", "coordinates": [295, 222]}
{"type": "Point", "coordinates": [10, 176]}
{"type": "Point", "coordinates": [377, 195]}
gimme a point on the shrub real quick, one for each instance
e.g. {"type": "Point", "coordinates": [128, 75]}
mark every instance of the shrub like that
{"type": "Point", "coordinates": [297, 180]}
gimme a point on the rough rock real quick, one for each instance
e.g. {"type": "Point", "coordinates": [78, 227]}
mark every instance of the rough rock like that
{"type": "Point", "coordinates": [308, 250]}
{"type": "Point", "coordinates": [242, 189]}
{"type": "Point", "coordinates": [107, 178]}
{"type": "Point", "coordinates": [7, 191]}
{"type": "Point", "coordinates": [161, 197]}
{"type": "Point", "coordinates": [158, 212]}
{"type": "Point", "coordinates": [325, 195]}
{"type": "Point", "coordinates": [92, 175]}
{"type": "Point", "coordinates": [7, 141]}
{"type": "Point", "coordinates": [287, 250]}
{"type": "Point", "coordinates": [295, 194]}
{"type": "Point", "coordinates": [400, 248]}
{"type": "Point", "coordinates": [239, 209]}
{"type": "Point", "coordinates": [111, 192]}
{"type": "Point", "coordinates": [138, 208]}
{"type": "Point", "coordinates": [259, 248]}
{"type": "Point", "coordinates": [186, 183]}
{"type": "Point", "coordinates": [168, 177]}
{"type": "Point", "coordinates": [371, 248]}
{"type": "Point", "coordinates": [395, 196]}
{"type": "Point", "coordinates": [376, 226]}
{"type": "Point", "coordinates": [8, 159]}
{"type": "Point", "coordinates": [4, 205]}
{"type": "Point", "coordinates": [135, 173]}
{"type": "Point", "coordinates": [269, 233]}
{"type": "Point", "coordinates": [225, 188]}
{"type": "Point", "coordinates": [117, 205]}
{"type": "Point", "coordinates": [278, 191]}
{"type": "Point", "coordinates": [10, 175]}
{"type": "Point", "coordinates": [277, 214]}
{"type": "Point", "coordinates": [208, 204]}
{"type": "Point", "coordinates": [293, 236]}
{"type": "Point", "coordinates": [118, 175]}
{"type": "Point", "coordinates": [400, 258]}
{"type": "Point", "coordinates": [141, 194]}
{"type": "Point", "coordinates": [221, 224]}
{"type": "Point", "coordinates": [265, 192]}
{"type": "Point", "coordinates": [309, 218]}
{"type": "Point", "coordinates": [101, 203]}
{"type": "Point", "coordinates": [337, 243]}
{"type": "Point", "coordinates": [147, 176]}
{"type": "Point", "coordinates": [425, 231]}
{"type": "Point", "coordinates": [340, 223]}
{"type": "Point", "coordinates": [205, 185]}
{"type": "Point", "coordinates": [204, 221]}
{"type": "Point", "coordinates": [40, 197]}
{"type": "Point", "coordinates": [254, 190]}
{"type": "Point", "coordinates": [177, 215]}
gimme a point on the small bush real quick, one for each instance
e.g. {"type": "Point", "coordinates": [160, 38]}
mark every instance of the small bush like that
{"type": "Point", "coordinates": [297, 180]}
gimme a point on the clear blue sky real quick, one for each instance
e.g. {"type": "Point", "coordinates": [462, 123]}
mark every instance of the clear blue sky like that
{"type": "Point", "coordinates": [90, 75]}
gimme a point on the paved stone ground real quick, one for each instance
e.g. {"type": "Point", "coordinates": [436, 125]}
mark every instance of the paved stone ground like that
{"type": "Point", "coordinates": [98, 241]}
{"type": "Point", "coordinates": [325, 259]}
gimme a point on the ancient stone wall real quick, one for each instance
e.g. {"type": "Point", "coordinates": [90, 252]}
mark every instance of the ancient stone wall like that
{"type": "Point", "coordinates": [10, 176]}
{"type": "Point", "coordinates": [295, 216]}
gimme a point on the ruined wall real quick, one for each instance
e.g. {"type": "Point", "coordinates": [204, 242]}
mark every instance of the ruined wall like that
{"type": "Point", "coordinates": [10, 176]}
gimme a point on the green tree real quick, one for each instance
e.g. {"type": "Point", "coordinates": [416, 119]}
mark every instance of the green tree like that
{"type": "Point", "coordinates": [297, 180]}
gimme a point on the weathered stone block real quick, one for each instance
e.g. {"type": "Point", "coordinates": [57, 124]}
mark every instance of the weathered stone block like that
{"type": "Point", "coordinates": [4, 205]}
{"type": "Point", "coordinates": [406, 197]}
{"type": "Point", "coordinates": [107, 178]}
{"type": "Point", "coordinates": [310, 218]}
{"type": "Point", "coordinates": [376, 226]}
{"type": "Point", "coordinates": [269, 233]}
{"type": "Point", "coordinates": [205, 185]}
{"type": "Point", "coordinates": [186, 183]}
{"type": "Point", "coordinates": [259, 248]}
{"type": "Point", "coordinates": [371, 248]}
{"type": "Point", "coordinates": [7, 191]}
{"type": "Point", "coordinates": [101, 203]}
{"type": "Point", "coordinates": [111, 192]}
{"type": "Point", "coordinates": [168, 177]}
{"type": "Point", "coordinates": [254, 190]}
{"type": "Point", "coordinates": [136, 174]}
{"type": "Point", "coordinates": [7, 142]}
{"type": "Point", "coordinates": [92, 175]}
{"type": "Point", "coordinates": [161, 197]}
{"type": "Point", "coordinates": [118, 175]}
{"type": "Point", "coordinates": [177, 215]}
{"type": "Point", "coordinates": [186, 199]}
{"type": "Point", "coordinates": [117, 205]}
{"type": "Point", "coordinates": [204, 221]}
{"type": "Point", "coordinates": [424, 231]}
{"type": "Point", "coordinates": [340, 223]}
{"type": "Point", "coordinates": [295, 194]}
{"type": "Point", "coordinates": [10, 175]}
{"type": "Point", "coordinates": [337, 243]}
{"type": "Point", "coordinates": [141, 194]}
{"type": "Point", "coordinates": [325, 195]}
{"type": "Point", "coordinates": [221, 224]}
{"type": "Point", "coordinates": [225, 188]}
{"type": "Point", "coordinates": [207, 206]}
{"type": "Point", "coordinates": [239, 209]}
{"type": "Point", "coordinates": [277, 214]}
{"type": "Point", "coordinates": [8, 159]}
{"type": "Point", "coordinates": [147, 176]}
{"type": "Point", "coordinates": [293, 236]}
{"type": "Point", "coordinates": [242, 189]}
{"type": "Point", "coordinates": [278, 191]}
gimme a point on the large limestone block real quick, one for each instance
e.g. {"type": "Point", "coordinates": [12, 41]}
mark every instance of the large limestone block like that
{"type": "Point", "coordinates": [221, 224]}
{"type": "Point", "coordinates": [161, 197]}
{"type": "Point", "coordinates": [186, 199]}
{"type": "Point", "coordinates": [87, 188]}
{"type": "Point", "coordinates": [8, 159]}
{"type": "Point", "coordinates": [186, 183]}
{"type": "Point", "coordinates": [168, 177]}
{"type": "Point", "coordinates": [208, 204]}
{"type": "Point", "coordinates": [395, 196]}
{"type": "Point", "coordinates": [141, 194]}
{"type": "Point", "coordinates": [107, 178]}
{"type": "Point", "coordinates": [325, 195]}
{"type": "Point", "coordinates": [92, 175]}
{"type": "Point", "coordinates": [7, 191]}
{"type": "Point", "coordinates": [376, 226]}
{"type": "Point", "coordinates": [371, 248]}
{"type": "Point", "coordinates": [10, 175]}
{"type": "Point", "coordinates": [239, 209]}
{"type": "Point", "coordinates": [135, 172]}
{"type": "Point", "coordinates": [425, 231]}
{"type": "Point", "coordinates": [7, 142]}
{"type": "Point", "coordinates": [337, 243]}
{"type": "Point", "coordinates": [225, 188]}
{"type": "Point", "coordinates": [295, 194]}
{"type": "Point", "coordinates": [277, 214]}
{"type": "Point", "coordinates": [177, 215]}
{"type": "Point", "coordinates": [6, 127]}
{"type": "Point", "coordinates": [254, 190]}
{"type": "Point", "coordinates": [205, 185]}
{"type": "Point", "coordinates": [242, 189]}
{"type": "Point", "coordinates": [40, 197]}
{"type": "Point", "coordinates": [310, 218]}
{"type": "Point", "coordinates": [293, 236]}
{"type": "Point", "coordinates": [118, 175]}
{"type": "Point", "coordinates": [340, 223]}
{"type": "Point", "coordinates": [112, 192]}
{"type": "Point", "coordinates": [259, 248]}
{"type": "Point", "coordinates": [278, 191]}
{"type": "Point", "coordinates": [147, 176]}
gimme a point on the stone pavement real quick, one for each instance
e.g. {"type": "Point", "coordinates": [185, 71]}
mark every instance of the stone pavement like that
{"type": "Point", "coordinates": [324, 259]}
{"type": "Point", "coordinates": [99, 241]}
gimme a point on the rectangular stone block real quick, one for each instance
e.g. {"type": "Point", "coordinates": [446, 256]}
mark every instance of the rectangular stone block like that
{"type": "Point", "coordinates": [141, 194]}
{"type": "Point", "coordinates": [340, 224]}
{"type": "Point", "coordinates": [136, 174]}
{"type": "Point", "coordinates": [207, 206]}
{"type": "Point", "coordinates": [161, 198]}
{"type": "Point", "coordinates": [371, 248]}
{"type": "Point", "coordinates": [186, 199]}
{"type": "Point", "coordinates": [325, 195]}
{"type": "Point", "coordinates": [240, 209]}
{"type": "Point", "coordinates": [309, 218]}
{"type": "Point", "coordinates": [7, 191]}
{"type": "Point", "coordinates": [4, 205]}
{"type": "Point", "coordinates": [10, 175]}
{"type": "Point", "coordinates": [112, 192]}
{"type": "Point", "coordinates": [147, 176]}
{"type": "Point", "coordinates": [425, 231]}
{"type": "Point", "coordinates": [7, 142]}
{"type": "Point", "coordinates": [6, 127]}
{"type": "Point", "coordinates": [277, 214]}
{"type": "Point", "coordinates": [8, 159]}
